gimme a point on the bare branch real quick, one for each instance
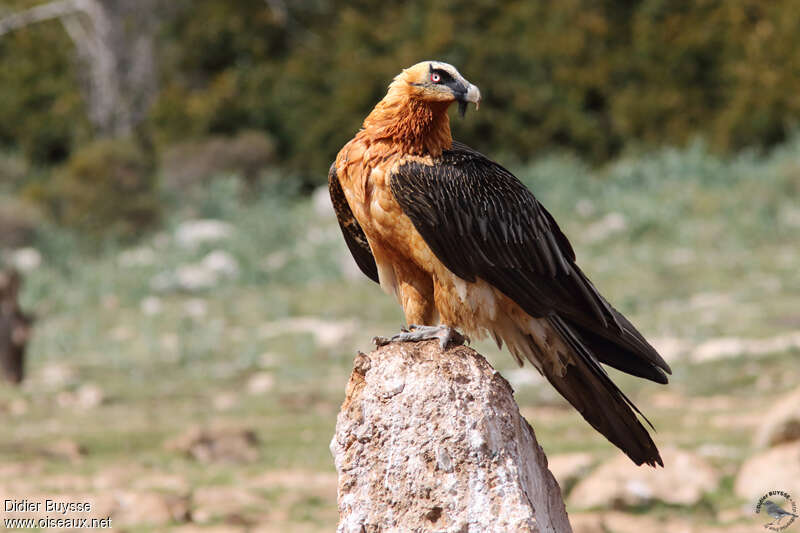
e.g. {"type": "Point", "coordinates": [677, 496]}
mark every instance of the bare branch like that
{"type": "Point", "coordinates": [40, 13]}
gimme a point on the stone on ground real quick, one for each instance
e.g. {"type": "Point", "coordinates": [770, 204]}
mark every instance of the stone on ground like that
{"type": "Point", "coordinates": [684, 480]}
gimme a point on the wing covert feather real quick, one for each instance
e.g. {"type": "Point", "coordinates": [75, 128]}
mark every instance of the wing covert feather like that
{"type": "Point", "coordinates": [482, 222]}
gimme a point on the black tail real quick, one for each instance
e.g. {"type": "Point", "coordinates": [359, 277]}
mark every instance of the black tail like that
{"type": "Point", "coordinates": [589, 389]}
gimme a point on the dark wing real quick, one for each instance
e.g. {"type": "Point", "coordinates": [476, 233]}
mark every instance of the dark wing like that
{"type": "Point", "coordinates": [353, 234]}
{"type": "Point", "coordinates": [482, 222]}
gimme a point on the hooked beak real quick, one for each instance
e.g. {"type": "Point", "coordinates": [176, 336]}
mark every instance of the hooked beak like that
{"type": "Point", "coordinates": [472, 94]}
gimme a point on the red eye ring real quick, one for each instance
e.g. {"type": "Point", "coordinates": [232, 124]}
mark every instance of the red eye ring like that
{"type": "Point", "coordinates": [435, 78]}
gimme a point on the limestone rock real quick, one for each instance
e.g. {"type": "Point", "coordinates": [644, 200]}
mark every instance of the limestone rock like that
{"type": "Point", "coordinates": [781, 423]}
{"type": "Point", "coordinates": [684, 480]}
{"type": "Point", "coordinates": [65, 449]}
{"type": "Point", "coordinates": [223, 503]}
{"type": "Point", "coordinates": [775, 469]}
{"type": "Point", "coordinates": [432, 440]}
{"type": "Point", "coordinates": [217, 444]}
{"type": "Point", "coordinates": [135, 508]}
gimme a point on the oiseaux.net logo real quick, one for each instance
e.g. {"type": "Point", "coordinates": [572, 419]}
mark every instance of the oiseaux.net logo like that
{"type": "Point", "coordinates": [779, 506]}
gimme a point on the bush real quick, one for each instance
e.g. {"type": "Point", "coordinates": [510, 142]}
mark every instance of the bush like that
{"type": "Point", "coordinates": [106, 189]}
{"type": "Point", "coordinates": [18, 222]}
{"type": "Point", "coordinates": [592, 77]}
{"type": "Point", "coordinates": [192, 163]}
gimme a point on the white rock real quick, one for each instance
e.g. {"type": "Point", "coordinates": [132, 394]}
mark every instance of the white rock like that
{"type": "Point", "coordinates": [260, 383]}
{"type": "Point", "coordinates": [225, 401]}
{"type": "Point", "coordinates": [523, 377]}
{"type": "Point", "coordinates": [137, 257]}
{"type": "Point", "coordinates": [195, 307]}
{"type": "Point", "coordinates": [151, 508]}
{"type": "Point", "coordinates": [163, 281]}
{"type": "Point", "coordinates": [684, 480]}
{"type": "Point", "coordinates": [680, 256]}
{"type": "Point", "coordinates": [348, 266]}
{"type": "Point", "coordinates": [326, 333]}
{"type": "Point", "coordinates": [605, 227]}
{"type": "Point", "coordinates": [321, 200]}
{"type": "Point", "coordinates": [221, 263]}
{"type": "Point", "coordinates": [26, 259]}
{"type": "Point", "coordinates": [194, 277]}
{"type": "Point", "coordinates": [151, 305]}
{"type": "Point", "coordinates": [89, 396]}
{"type": "Point", "coordinates": [585, 207]}
{"type": "Point", "coordinates": [86, 397]}
{"type": "Point", "coordinates": [217, 444]}
{"type": "Point", "coordinates": [703, 300]}
{"type": "Point", "coordinates": [269, 359]}
{"type": "Point", "coordinates": [276, 260]}
{"type": "Point", "coordinates": [193, 233]}
{"type": "Point", "coordinates": [57, 375]}
{"type": "Point", "coordinates": [671, 348]}
{"type": "Point", "coordinates": [789, 215]}
{"type": "Point", "coordinates": [780, 423]}
{"type": "Point", "coordinates": [727, 347]}
{"type": "Point", "coordinates": [775, 469]}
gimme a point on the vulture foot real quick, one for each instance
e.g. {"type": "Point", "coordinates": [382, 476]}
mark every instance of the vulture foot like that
{"type": "Point", "coordinates": [414, 333]}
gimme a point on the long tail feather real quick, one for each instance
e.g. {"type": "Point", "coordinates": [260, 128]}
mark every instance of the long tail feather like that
{"type": "Point", "coordinates": [587, 386]}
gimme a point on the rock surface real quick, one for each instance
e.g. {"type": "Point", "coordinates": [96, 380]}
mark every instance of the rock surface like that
{"type": "Point", "coordinates": [781, 423]}
{"type": "Point", "coordinates": [432, 440]}
{"type": "Point", "coordinates": [217, 444]}
{"type": "Point", "coordinates": [684, 480]}
{"type": "Point", "coordinates": [775, 469]}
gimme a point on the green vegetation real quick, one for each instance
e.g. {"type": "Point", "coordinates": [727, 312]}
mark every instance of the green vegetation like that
{"type": "Point", "coordinates": [593, 77]}
{"type": "Point", "coordinates": [689, 245]}
{"type": "Point", "coordinates": [107, 188]}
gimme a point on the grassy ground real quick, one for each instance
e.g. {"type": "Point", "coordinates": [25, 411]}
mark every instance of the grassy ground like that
{"type": "Point", "coordinates": [690, 247]}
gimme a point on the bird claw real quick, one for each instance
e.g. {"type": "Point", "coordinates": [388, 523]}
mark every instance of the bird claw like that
{"type": "Point", "coordinates": [414, 333]}
{"type": "Point", "coordinates": [381, 341]}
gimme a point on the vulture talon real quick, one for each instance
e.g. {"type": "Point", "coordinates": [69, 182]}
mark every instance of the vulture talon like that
{"type": "Point", "coordinates": [445, 334]}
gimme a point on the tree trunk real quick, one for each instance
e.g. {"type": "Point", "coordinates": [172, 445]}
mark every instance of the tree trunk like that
{"type": "Point", "coordinates": [432, 440]}
{"type": "Point", "coordinates": [15, 328]}
{"type": "Point", "coordinates": [114, 41]}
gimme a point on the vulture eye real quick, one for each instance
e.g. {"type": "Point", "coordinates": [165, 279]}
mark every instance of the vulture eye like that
{"type": "Point", "coordinates": [435, 78]}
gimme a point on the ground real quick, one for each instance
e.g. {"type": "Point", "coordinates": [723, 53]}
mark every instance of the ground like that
{"type": "Point", "coordinates": [193, 380]}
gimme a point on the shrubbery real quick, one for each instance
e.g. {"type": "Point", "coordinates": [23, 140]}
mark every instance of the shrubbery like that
{"type": "Point", "coordinates": [196, 162]}
{"type": "Point", "coordinates": [106, 189]}
{"type": "Point", "coordinates": [18, 222]}
{"type": "Point", "coordinates": [586, 76]}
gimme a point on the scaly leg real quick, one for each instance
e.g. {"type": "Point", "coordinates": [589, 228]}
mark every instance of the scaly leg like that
{"type": "Point", "coordinates": [414, 333]}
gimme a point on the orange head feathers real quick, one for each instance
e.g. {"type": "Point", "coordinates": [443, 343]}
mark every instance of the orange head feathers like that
{"type": "Point", "coordinates": [413, 114]}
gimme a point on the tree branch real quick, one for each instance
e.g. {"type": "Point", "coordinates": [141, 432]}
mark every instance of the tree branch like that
{"type": "Point", "coordinates": [40, 13]}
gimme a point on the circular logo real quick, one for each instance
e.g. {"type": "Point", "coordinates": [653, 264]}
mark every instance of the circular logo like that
{"type": "Point", "coordinates": [779, 507]}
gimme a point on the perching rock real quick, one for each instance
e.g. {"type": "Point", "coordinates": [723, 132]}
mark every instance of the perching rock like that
{"type": "Point", "coordinates": [684, 480]}
{"type": "Point", "coordinates": [781, 423]}
{"type": "Point", "coordinates": [428, 440]}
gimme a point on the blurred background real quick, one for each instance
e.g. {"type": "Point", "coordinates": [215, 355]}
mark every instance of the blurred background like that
{"type": "Point", "coordinates": [190, 310]}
